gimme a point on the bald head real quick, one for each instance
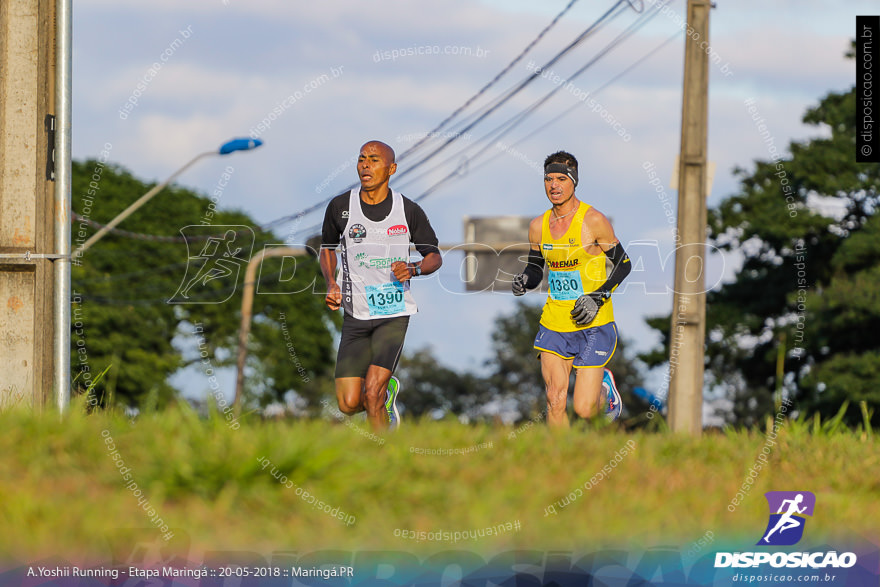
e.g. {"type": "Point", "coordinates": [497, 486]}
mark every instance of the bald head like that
{"type": "Point", "coordinates": [386, 150]}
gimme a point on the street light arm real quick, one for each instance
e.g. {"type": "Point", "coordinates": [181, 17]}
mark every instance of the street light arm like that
{"type": "Point", "coordinates": [140, 202]}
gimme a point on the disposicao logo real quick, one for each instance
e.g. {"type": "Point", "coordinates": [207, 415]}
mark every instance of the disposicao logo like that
{"type": "Point", "coordinates": [785, 527]}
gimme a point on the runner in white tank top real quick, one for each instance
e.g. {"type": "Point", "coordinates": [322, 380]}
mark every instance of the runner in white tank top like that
{"type": "Point", "coordinates": [374, 227]}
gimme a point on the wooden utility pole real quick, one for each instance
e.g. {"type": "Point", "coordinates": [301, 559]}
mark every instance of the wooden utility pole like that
{"type": "Point", "coordinates": [27, 208]}
{"type": "Point", "coordinates": [688, 328]}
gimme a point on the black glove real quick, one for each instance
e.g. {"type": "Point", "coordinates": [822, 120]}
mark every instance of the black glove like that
{"type": "Point", "coordinates": [587, 306]}
{"type": "Point", "coordinates": [519, 285]}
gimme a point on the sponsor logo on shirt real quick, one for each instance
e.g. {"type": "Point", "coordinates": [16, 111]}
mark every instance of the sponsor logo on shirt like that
{"type": "Point", "coordinates": [380, 262]}
{"type": "Point", "coordinates": [397, 230]}
{"type": "Point", "coordinates": [567, 264]}
{"type": "Point", "coordinates": [357, 232]}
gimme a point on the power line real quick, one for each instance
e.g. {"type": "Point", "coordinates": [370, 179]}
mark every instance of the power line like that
{"type": "Point", "coordinates": [121, 276]}
{"type": "Point", "coordinates": [615, 9]}
{"type": "Point", "coordinates": [155, 237]}
{"type": "Point", "coordinates": [600, 88]}
{"type": "Point", "coordinates": [520, 117]}
{"type": "Point", "coordinates": [612, 12]}
{"type": "Point", "coordinates": [514, 121]}
{"type": "Point", "coordinates": [492, 82]}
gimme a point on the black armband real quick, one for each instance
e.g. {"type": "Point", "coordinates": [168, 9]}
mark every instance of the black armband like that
{"type": "Point", "coordinates": [534, 270]}
{"type": "Point", "coordinates": [620, 268]}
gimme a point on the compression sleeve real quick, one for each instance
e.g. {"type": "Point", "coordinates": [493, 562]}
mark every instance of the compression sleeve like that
{"type": "Point", "coordinates": [620, 268]}
{"type": "Point", "coordinates": [534, 270]}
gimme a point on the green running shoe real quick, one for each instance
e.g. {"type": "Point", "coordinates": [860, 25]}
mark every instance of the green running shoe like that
{"type": "Point", "coordinates": [391, 403]}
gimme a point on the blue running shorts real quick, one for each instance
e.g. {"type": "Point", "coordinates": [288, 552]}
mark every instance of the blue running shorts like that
{"type": "Point", "coordinates": [590, 347]}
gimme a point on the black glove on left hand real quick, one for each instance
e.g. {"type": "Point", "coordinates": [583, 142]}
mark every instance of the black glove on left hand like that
{"type": "Point", "coordinates": [587, 306]}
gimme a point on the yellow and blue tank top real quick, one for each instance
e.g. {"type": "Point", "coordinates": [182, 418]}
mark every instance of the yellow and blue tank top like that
{"type": "Point", "coordinates": [573, 272]}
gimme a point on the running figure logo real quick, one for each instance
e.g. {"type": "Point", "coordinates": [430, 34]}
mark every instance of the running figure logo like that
{"type": "Point", "coordinates": [220, 257]}
{"type": "Point", "coordinates": [786, 525]}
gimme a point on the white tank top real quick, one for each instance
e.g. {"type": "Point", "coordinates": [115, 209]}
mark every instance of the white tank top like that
{"type": "Point", "coordinates": [369, 289]}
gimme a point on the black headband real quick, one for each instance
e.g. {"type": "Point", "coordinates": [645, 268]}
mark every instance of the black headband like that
{"type": "Point", "coordinates": [563, 169]}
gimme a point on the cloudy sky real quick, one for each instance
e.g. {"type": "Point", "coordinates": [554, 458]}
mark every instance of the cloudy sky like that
{"type": "Point", "coordinates": [165, 80]}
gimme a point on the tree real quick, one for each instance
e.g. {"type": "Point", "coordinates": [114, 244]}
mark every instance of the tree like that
{"type": "Point", "coordinates": [805, 298]}
{"type": "Point", "coordinates": [122, 285]}
{"type": "Point", "coordinates": [844, 319]}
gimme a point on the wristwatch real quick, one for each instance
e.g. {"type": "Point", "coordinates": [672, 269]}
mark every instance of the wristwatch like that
{"type": "Point", "coordinates": [417, 270]}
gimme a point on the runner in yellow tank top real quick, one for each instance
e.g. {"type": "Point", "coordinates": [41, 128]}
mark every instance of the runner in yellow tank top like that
{"type": "Point", "coordinates": [586, 263]}
{"type": "Point", "coordinates": [573, 272]}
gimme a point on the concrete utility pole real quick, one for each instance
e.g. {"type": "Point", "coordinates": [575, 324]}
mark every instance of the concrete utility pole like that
{"type": "Point", "coordinates": [27, 208]}
{"type": "Point", "coordinates": [688, 329]}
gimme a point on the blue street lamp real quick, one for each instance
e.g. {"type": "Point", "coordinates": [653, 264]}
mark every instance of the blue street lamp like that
{"type": "Point", "coordinates": [239, 145]}
{"type": "Point", "coordinates": [225, 149]}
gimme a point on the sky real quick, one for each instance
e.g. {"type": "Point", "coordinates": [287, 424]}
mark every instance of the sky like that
{"type": "Point", "coordinates": [161, 82]}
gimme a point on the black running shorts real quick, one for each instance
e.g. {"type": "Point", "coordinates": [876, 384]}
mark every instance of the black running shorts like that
{"type": "Point", "coordinates": [369, 342]}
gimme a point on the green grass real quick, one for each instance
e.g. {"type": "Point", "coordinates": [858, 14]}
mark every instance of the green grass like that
{"type": "Point", "coordinates": [61, 492]}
